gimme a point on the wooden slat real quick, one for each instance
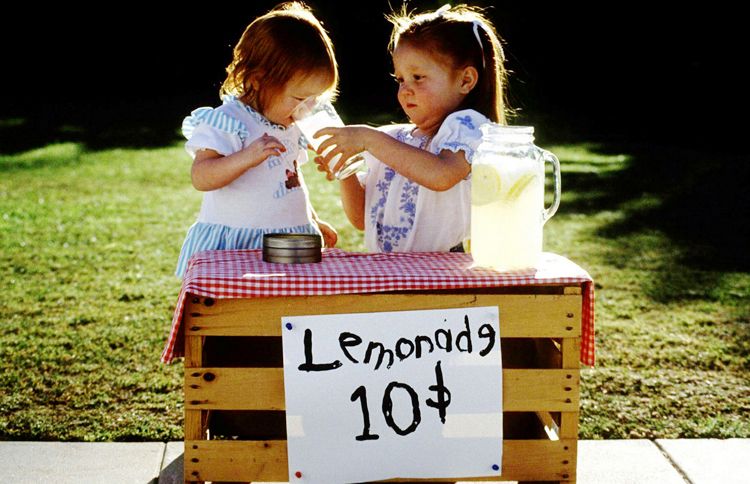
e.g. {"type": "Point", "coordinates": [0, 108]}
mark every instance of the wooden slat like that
{"type": "Point", "coordinates": [521, 316]}
{"type": "Point", "coordinates": [550, 426]}
{"type": "Point", "coordinates": [193, 351]}
{"type": "Point", "coordinates": [540, 390]}
{"type": "Point", "coordinates": [569, 425]}
{"type": "Point", "coordinates": [571, 350]}
{"type": "Point", "coordinates": [235, 388]}
{"type": "Point", "coordinates": [194, 418]}
{"type": "Point", "coordinates": [263, 389]}
{"type": "Point", "coordinates": [263, 461]}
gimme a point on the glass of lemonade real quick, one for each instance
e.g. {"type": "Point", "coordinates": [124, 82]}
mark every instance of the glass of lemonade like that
{"type": "Point", "coordinates": [310, 118]}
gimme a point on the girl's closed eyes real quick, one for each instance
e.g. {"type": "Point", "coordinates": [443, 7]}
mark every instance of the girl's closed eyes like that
{"type": "Point", "coordinates": [415, 77]}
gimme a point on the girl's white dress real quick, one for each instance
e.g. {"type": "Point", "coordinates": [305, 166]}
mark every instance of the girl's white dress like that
{"type": "Point", "coordinates": [401, 215]}
{"type": "Point", "coordinates": [271, 197]}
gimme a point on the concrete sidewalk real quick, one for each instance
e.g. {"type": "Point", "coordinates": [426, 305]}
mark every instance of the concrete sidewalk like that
{"type": "Point", "coordinates": [699, 461]}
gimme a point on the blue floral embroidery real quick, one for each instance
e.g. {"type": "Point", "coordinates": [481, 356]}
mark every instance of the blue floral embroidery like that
{"type": "Point", "coordinates": [389, 237]}
{"type": "Point", "coordinates": [466, 121]}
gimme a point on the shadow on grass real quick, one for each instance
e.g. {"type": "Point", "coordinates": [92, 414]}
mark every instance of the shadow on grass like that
{"type": "Point", "coordinates": [697, 199]}
{"type": "Point", "coordinates": [127, 125]}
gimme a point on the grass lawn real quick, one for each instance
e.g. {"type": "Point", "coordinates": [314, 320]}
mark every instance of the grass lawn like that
{"type": "Point", "coordinates": [89, 237]}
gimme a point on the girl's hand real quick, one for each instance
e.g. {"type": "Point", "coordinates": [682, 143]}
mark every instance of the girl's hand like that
{"type": "Point", "coordinates": [323, 166]}
{"type": "Point", "coordinates": [330, 236]}
{"type": "Point", "coordinates": [212, 170]}
{"type": "Point", "coordinates": [262, 148]}
{"type": "Point", "coordinates": [347, 142]}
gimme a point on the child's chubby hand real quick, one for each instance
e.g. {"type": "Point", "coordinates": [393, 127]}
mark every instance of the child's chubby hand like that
{"type": "Point", "coordinates": [347, 142]}
{"type": "Point", "coordinates": [323, 167]}
{"type": "Point", "coordinates": [330, 236]}
{"type": "Point", "coordinates": [263, 148]}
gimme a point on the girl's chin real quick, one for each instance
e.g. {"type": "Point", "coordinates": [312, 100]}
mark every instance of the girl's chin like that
{"type": "Point", "coordinates": [421, 123]}
{"type": "Point", "coordinates": [286, 122]}
{"type": "Point", "coordinates": [413, 119]}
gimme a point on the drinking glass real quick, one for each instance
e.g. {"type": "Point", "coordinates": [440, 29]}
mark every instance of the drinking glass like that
{"type": "Point", "coordinates": [311, 118]}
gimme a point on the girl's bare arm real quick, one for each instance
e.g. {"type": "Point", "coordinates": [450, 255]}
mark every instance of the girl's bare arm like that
{"type": "Point", "coordinates": [436, 172]}
{"type": "Point", "coordinates": [212, 170]}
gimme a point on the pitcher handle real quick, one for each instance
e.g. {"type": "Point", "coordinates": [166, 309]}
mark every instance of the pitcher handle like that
{"type": "Point", "coordinates": [550, 158]}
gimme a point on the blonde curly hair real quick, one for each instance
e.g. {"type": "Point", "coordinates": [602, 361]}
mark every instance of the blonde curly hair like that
{"type": "Point", "coordinates": [286, 42]}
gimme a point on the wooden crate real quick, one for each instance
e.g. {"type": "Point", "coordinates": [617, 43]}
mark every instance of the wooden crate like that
{"type": "Point", "coordinates": [234, 381]}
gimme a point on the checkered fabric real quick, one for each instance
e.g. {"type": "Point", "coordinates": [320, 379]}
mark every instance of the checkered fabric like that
{"type": "Point", "coordinates": [224, 274]}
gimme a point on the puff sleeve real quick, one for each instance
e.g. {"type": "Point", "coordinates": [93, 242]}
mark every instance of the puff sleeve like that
{"type": "Point", "coordinates": [460, 132]}
{"type": "Point", "coordinates": [209, 128]}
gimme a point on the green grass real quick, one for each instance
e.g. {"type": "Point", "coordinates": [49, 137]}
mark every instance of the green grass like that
{"type": "Point", "coordinates": [89, 238]}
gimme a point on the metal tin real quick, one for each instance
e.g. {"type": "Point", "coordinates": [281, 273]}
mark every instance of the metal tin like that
{"type": "Point", "coordinates": [292, 248]}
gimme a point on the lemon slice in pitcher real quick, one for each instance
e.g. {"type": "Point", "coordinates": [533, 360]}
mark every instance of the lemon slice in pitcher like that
{"type": "Point", "coordinates": [519, 186]}
{"type": "Point", "coordinates": [485, 184]}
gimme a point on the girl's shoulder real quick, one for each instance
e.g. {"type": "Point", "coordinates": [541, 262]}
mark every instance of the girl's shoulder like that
{"type": "Point", "coordinates": [468, 119]}
{"type": "Point", "coordinates": [232, 117]}
{"type": "Point", "coordinates": [223, 120]}
{"type": "Point", "coordinates": [461, 131]}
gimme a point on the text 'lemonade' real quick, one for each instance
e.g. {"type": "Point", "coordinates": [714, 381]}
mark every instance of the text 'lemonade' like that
{"type": "Point", "coordinates": [311, 118]}
{"type": "Point", "coordinates": [507, 199]}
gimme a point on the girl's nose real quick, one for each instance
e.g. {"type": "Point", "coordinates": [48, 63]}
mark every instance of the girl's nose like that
{"type": "Point", "coordinates": [405, 88]}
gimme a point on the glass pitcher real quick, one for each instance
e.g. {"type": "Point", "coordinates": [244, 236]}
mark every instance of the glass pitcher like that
{"type": "Point", "coordinates": [507, 198]}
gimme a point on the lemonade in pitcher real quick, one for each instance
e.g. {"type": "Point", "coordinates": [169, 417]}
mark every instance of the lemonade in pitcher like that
{"type": "Point", "coordinates": [507, 198]}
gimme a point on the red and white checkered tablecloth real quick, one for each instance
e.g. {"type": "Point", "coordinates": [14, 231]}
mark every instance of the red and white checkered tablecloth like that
{"type": "Point", "coordinates": [243, 274]}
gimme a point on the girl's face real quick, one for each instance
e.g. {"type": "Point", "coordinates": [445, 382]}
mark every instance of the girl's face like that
{"type": "Point", "coordinates": [428, 90]}
{"type": "Point", "coordinates": [282, 104]}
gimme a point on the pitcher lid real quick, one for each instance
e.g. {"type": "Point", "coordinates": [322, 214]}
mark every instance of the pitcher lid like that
{"type": "Point", "coordinates": [520, 134]}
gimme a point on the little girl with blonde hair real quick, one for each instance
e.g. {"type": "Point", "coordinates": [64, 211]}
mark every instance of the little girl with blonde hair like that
{"type": "Point", "coordinates": [247, 152]}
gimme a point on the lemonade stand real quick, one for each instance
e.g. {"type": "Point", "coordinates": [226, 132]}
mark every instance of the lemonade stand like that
{"type": "Point", "coordinates": [236, 314]}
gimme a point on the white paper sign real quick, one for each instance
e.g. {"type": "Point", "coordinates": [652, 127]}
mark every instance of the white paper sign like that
{"type": "Point", "coordinates": [410, 394]}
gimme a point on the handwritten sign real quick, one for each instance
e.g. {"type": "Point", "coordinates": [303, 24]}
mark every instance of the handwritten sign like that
{"type": "Point", "coordinates": [410, 394]}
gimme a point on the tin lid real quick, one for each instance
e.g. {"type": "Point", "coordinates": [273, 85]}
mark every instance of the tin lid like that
{"type": "Point", "coordinates": [292, 248]}
{"type": "Point", "coordinates": [291, 252]}
{"type": "Point", "coordinates": [297, 259]}
{"type": "Point", "coordinates": [292, 241]}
